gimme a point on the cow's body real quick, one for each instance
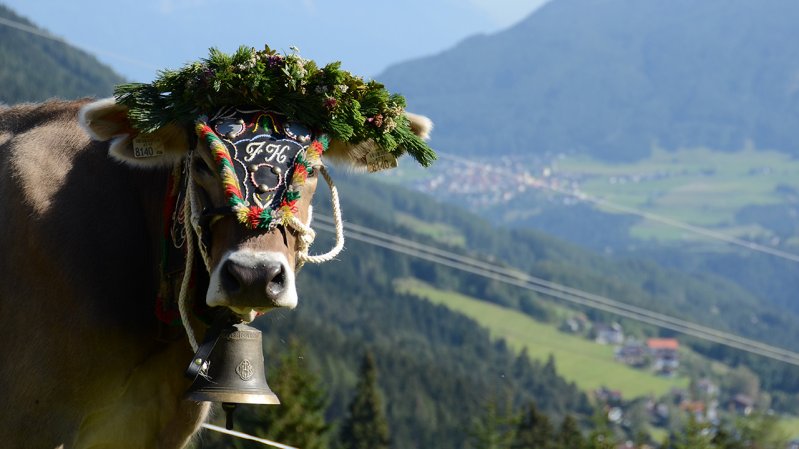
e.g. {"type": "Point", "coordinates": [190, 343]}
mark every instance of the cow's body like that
{"type": "Point", "coordinates": [86, 363]}
{"type": "Point", "coordinates": [83, 365]}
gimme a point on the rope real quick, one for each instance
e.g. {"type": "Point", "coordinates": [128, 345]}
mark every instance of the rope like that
{"type": "Point", "coordinates": [188, 214]}
{"type": "Point", "coordinates": [247, 436]}
{"type": "Point", "coordinates": [307, 234]}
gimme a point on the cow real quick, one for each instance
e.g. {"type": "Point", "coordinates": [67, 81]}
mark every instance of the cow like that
{"type": "Point", "coordinates": [86, 362]}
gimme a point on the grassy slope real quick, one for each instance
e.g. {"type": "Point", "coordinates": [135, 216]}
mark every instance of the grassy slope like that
{"type": "Point", "coordinates": [587, 364]}
{"type": "Point", "coordinates": [699, 186]}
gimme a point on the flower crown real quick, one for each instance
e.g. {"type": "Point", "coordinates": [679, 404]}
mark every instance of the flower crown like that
{"type": "Point", "coordinates": [328, 99]}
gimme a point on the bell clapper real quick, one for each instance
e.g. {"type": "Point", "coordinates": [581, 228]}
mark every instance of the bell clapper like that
{"type": "Point", "coordinates": [229, 408]}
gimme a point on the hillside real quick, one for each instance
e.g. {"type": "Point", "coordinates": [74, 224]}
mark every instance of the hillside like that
{"type": "Point", "coordinates": [613, 78]}
{"type": "Point", "coordinates": [35, 68]}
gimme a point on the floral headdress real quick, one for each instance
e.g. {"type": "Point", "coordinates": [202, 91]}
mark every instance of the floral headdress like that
{"type": "Point", "coordinates": [328, 99]}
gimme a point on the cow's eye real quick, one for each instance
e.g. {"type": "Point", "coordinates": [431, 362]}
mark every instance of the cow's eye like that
{"type": "Point", "coordinates": [314, 171]}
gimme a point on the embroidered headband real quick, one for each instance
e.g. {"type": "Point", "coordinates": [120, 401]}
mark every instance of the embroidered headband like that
{"type": "Point", "coordinates": [263, 161]}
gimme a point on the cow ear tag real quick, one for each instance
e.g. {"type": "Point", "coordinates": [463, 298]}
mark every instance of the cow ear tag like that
{"type": "Point", "coordinates": [145, 146]}
{"type": "Point", "coordinates": [378, 161]}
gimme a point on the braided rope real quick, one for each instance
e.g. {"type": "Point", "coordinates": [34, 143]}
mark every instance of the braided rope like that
{"type": "Point", "coordinates": [188, 207]}
{"type": "Point", "coordinates": [306, 234]}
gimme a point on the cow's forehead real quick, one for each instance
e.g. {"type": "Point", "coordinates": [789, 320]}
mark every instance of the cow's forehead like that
{"type": "Point", "coordinates": [264, 159]}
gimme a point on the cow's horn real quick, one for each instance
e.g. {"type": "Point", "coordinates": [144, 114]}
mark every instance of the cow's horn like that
{"type": "Point", "coordinates": [234, 371]}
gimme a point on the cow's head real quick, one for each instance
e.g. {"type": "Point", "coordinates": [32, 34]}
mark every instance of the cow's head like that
{"type": "Point", "coordinates": [252, 247]}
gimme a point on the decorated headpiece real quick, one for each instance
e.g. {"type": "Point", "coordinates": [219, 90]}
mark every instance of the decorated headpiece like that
{"type": "Point", "coordinates": [328, 100]}
{"type": "Point", "coordinates": [263, 161]}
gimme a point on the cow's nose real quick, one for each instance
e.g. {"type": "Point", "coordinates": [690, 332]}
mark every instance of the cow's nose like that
{"type": "Point", "coordinates": [249, 285]}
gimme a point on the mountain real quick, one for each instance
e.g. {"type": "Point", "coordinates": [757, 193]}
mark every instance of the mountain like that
{"type": "Point", "coordinates": [35, 68]}
{"type": "Point", "coordinates": [613, 78]}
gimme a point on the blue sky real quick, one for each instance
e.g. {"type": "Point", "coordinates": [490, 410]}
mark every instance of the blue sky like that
{"type": "Point", "coordinates": [137, 38]}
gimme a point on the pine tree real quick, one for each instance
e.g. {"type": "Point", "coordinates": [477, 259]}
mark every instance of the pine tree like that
{"type": "Point", "coordinates": [569, 435]}
{"type": "Point", "coordinates": [494, 429]}
{"type": "Point", "coordinates": [601, 436]}
{"type": "Point", "coordinates": [695, 436]}
{"type": "Point", "coordinates": [299, 420]}
{"type": "Point", "coordinates": [366, 426]}
{"type": "Point", "coordinates": [534, 431]}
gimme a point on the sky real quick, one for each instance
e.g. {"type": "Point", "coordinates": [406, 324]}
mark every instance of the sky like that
{"type": "Point", "coordinates": [139, 37]}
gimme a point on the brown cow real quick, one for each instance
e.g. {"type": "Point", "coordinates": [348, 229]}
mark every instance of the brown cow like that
{"type": "Point", "coordinates": [85, 361]}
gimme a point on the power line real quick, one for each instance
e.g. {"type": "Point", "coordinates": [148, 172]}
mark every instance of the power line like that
{"type": "Point", "coordinates": [559, 291]}
{"type": "Point", "coordinates": [41, 33]}
{"type": "Point", "coordinates": [705, 232]}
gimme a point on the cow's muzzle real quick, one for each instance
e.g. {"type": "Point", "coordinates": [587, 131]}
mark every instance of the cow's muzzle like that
{"type": "Point", "coordinates": [247, 280]}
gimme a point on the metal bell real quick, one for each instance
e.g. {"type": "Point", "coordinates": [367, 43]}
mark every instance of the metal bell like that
{"type": "Point", "coordinates": [233, 370]}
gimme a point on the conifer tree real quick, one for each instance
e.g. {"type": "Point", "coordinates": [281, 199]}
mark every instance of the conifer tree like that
{"type": "Point", "coordinates": [299, 420]}
{"type": "Point", "coordinates": [365, 426]}
{"type": "Point", "coordinates": [695, 436]}
{"type": "Point", "coordinates": [601, 436]}
{"type": "Point", "coordinates": [569, 435]}
{"type": "Point", "coordinates": [534, 431]}
{"type": "Point", "coordinates": [493, 430]}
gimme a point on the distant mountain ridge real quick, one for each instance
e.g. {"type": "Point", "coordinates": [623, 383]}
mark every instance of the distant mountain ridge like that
{"type": "Point", "coordinates": [614, 77]}
{"type": "Point", "coordinates": [35, 68]}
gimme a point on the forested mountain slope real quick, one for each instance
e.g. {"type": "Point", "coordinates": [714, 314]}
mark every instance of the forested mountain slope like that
{"type": "Point", "coordinates": [612, 78]}
{"type": "Point", "coordinates": [34, 68]}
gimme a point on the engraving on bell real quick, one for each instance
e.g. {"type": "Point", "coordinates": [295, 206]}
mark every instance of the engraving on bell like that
{"type": "Point", "coordinates": [245, 370]}
{"type": "Point", "coordinates": [263, 188]}
{"type": "Point", "coordinates": [235, 370]}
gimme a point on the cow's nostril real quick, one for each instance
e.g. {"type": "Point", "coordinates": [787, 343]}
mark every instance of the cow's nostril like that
{"type": "Point", "coordinates": [275, 280]}
{"type": "Point", "coordinates": [231, 277]}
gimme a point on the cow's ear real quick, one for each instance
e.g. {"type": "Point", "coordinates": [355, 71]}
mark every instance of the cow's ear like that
{"type": "Point", "coordinates": [355, 155]}
{"type": "Point", "coordinates": [106, 120]}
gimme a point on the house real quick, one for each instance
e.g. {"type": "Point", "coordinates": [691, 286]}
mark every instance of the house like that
{"type": "Point", "coordinates": [610, 397]}
{"type": "Point", "coordinates": [665, 354]}
{"type": "Point", "coordinates": [632, 353]}
{"type": "Point", "coordinates": [742, 404]}
{"type": "Point", "coordinates": [609, 335]}
{"type": "Point", "coordinates": [707, 388]}
{"type": "Point", "coordinates": [577, 324]}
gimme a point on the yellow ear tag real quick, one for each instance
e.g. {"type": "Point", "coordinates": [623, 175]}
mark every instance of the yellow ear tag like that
{"type": "Point", "coordinates": [147, 146]}
{"type": "Point", "coordinates": [378, 160]}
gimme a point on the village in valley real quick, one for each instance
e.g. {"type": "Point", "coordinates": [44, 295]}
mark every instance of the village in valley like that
{"type": "Point", "coordinates": [708, 399]}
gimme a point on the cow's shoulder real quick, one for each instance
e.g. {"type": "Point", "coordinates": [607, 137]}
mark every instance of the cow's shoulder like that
{"type": "Point", "coordinates": [38, 145]}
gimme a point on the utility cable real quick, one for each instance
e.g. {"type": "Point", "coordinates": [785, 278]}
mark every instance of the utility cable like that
{"type": "Point", "coordinates": [519, 279]}
{"type": "Point", "coordinates": [41, 33]}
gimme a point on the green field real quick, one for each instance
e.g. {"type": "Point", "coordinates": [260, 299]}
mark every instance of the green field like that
{"type": "Point", "coordinates": [582, 361]}
{"type": "Point", "coordinates": [698, 186]}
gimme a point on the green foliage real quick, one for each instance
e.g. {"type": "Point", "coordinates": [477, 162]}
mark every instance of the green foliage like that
{"type": "Point", "coordinates": [569, 435]}
{"type": "Point", "coordinates": [695, 436]}
{"type": "Point", "coordinates": [35, 68]}
{"type": "Point", "coordinates": [493, 429]}
{"type": "Point", "coordinates": [328, 99]}
{"type": "Point", "coordinates": [300, 417]}
{"type": "Point", "coordinates": [534, 431]}
{"type": "Point", "coordinates": [366, 427]}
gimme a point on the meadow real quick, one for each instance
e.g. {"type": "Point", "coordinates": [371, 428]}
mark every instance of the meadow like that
{"type": "Point", "coordinates": [700, 186]}
{"type": "Point", "coordinates": [588, 364]}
